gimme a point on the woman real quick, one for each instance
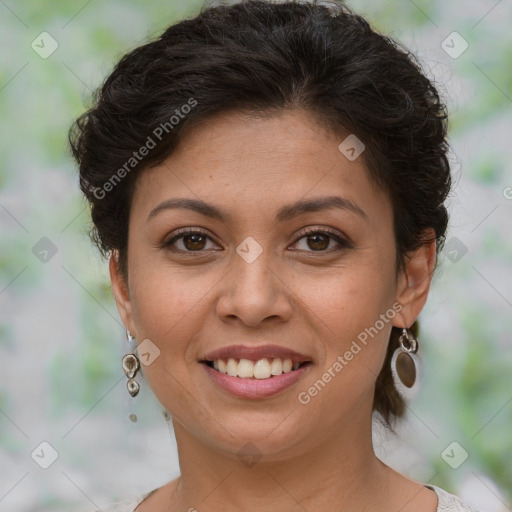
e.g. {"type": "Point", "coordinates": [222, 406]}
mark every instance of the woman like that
{"type": "Point", "coordinates": [269, 182]}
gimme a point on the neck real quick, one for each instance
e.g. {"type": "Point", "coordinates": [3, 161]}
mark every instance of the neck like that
{"type": "Point", "coordinates": [337, 469]}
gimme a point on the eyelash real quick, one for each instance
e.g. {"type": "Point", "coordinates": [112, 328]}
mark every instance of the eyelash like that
{"type": "Point", "coordinates": [343, 242]}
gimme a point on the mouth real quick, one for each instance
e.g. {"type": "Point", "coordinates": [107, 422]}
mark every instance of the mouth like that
{"type": "Point", "coordinates": [259, 369]}
{"type": "Point", "coordinates": [255, 379]}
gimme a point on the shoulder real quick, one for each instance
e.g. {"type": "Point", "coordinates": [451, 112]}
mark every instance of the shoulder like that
{"type": "Point", "coordinates": [125, 505]}
{"type": "Point", "coordinates": [449, 502]}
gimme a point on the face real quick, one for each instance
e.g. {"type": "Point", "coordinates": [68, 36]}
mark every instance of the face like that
{"type": "Point", "coordinates": [263, 270]}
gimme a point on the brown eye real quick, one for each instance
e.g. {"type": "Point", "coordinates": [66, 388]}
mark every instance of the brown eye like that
{"type": "Point", "coordinates": [190, 240]}
{"type": "Point", "coordinates": [319, 240]}
{"type": "Point", "coordinates": [194, 242]}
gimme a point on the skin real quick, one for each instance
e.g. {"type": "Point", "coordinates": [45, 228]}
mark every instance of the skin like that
{"type": "Point", "coordinates": [317, 456]}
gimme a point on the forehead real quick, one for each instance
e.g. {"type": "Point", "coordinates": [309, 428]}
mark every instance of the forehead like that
{"type": "Point", "coordinates": [251, 166]}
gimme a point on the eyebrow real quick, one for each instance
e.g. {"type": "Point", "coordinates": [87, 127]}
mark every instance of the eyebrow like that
{"type": "Point", "coordinates": [285, 213]}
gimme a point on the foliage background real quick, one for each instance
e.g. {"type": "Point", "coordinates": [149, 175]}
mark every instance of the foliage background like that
{"type": "Point", "coordinates": [60, 337]}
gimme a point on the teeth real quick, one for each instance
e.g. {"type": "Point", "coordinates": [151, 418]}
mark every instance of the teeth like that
{"type": "Point", "coordinates": [232, 367]}
{"type": "Point", "coordinates": [245, 368]}
{"type": "Point", "coordinates": [260, 369]}
{"type": "Point", "coordinates": [221, 366]}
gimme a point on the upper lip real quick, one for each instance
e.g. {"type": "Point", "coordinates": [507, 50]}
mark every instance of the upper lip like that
{"type": "Point", "coordinates": [255, 352]}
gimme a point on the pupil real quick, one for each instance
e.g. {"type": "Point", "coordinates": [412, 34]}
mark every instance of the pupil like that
{"type": "Point", "coordinates": [196, 239]}
{"type": "Point", "coordinates": [318, 240]}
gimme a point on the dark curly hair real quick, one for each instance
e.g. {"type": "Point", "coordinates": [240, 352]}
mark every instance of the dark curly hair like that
{"type": "Point", "coordinates": [262, 57]}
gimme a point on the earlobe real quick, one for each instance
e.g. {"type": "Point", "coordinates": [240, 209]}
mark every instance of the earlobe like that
{"type": "Point", "coordinates": [414, 283]}
{"type": "Point", "coordinates": [121, 293]}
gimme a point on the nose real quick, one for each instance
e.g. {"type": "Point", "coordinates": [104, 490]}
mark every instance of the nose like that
{"type": "Point", "coordinates": [255, 292]}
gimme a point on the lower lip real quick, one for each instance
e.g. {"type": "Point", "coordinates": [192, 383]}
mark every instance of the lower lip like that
{"type": "Point", "coordinates": [256, 388]}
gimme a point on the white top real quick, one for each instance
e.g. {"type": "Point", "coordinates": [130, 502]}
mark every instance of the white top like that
{"type": "Point", "coordinates": [447, 502]}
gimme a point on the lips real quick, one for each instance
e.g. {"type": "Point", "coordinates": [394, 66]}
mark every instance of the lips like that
{"type": "Point", "coordinates": [256, 352]}
{"type": "Point", "coordinates": [255, 389]}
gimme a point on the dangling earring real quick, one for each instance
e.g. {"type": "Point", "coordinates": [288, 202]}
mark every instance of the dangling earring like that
{"type": "Point", "coordinates": [131, 365]}
{"type": "Point", "coordinates": [405, 365]}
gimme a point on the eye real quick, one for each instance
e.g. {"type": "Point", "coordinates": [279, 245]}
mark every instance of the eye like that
{"type": "Point", "coordinates": [192, 240]}
{"type": "Point", "coordinates": [318, 240]}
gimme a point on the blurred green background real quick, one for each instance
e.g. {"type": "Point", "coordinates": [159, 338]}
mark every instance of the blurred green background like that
{"type": "Point", "coordinates": [61, 341]}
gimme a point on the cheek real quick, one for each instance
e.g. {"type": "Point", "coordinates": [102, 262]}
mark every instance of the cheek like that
{"type": "Point", "coordinates": [168, 309]}
{"type": "Point", "coordinates": [349, 300]}
{"type": "Point", "coordinates": [352, 313]}
{"type": "Point", "coordinates": [166, 304]}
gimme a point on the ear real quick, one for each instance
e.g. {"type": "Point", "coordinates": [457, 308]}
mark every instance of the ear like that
{"type": "Point", "coordinates": [414, 281]}
{"type": "Point", "coordinates": [121, 293]}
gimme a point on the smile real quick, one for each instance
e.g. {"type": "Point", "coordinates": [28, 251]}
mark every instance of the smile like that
{"type": "Point", "coordinates": [264, 368]}
{"type": "Point", "coordinates": [263, 378]}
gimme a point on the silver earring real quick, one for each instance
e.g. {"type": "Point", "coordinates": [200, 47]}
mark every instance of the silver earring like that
{"type": "Point", "coordinates": [405, 365]}
{"type": "Point", "coordinates": [131, 366]}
